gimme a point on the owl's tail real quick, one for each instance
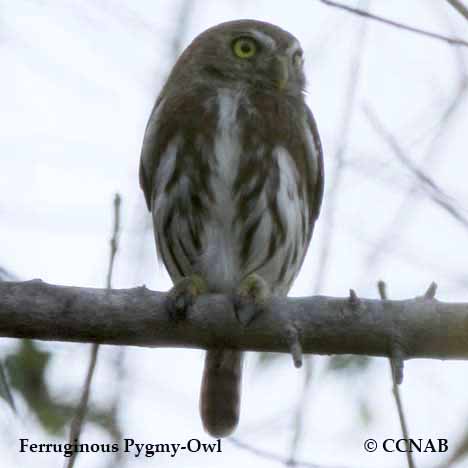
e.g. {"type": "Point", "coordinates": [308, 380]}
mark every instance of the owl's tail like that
{"type": "Point", "coordinates": [220, 391]}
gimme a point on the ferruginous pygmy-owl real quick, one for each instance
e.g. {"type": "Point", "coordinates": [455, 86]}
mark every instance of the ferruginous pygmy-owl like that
{"type": "Point", "coordinates": [232, 171]}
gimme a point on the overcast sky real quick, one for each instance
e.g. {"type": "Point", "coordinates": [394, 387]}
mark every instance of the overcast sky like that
{"type": "Point", "coordinates": [78, 80]}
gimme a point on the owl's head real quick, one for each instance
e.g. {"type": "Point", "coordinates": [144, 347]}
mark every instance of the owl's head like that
{"type": "Point", "coordinates": [244, 53]}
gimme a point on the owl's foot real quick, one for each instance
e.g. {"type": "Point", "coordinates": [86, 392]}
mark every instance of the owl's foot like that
{"type": "Point", "coordinates": [251, 296]}
{"type": "Point", "coordinates": [183, 295]}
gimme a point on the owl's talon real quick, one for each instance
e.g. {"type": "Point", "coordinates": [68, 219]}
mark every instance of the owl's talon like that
{"type": "Point", "coordinates": [178, 307]}
{"type": "Point", "coordinates": [246, 313]}
{"type": "Point", "coordinates": [251, 298]}
{"type": "Point", "coordinates": [183, 295]}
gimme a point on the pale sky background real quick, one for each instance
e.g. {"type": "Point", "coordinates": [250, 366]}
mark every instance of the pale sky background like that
{"type": "Point", "coordinates": [78, 80]}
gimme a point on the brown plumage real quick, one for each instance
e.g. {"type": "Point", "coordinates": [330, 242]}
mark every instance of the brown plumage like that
{"type": "Point", "coordinates": [232, 171]}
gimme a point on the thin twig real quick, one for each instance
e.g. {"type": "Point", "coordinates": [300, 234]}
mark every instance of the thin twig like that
{"type": "Point", "coordinates": [405, 27]}
{"type": "Point", "coordinates": [401, 218]}
{"type": "Point", "coordinates": [460, 7]}
{"type": "Point", "coordinates": [119, 379]}
{"type": "Point", "coordinates": [339, 156]}
{"type": "Point", "coordinates": [407, 254]}
{"type": "Point", "coordinates": [459, 53]}
{"type": "Point", "coordinates": [401, 415]}
{"type": "Point", "coordinates": [331, 208]}
{"type": "Point", "coordinates": [301, 410]}
{"type": "Point", "coordinates": [5, 390]}
{"type": "Point", "coordinates": [114, 240]}
{"type": "Point", "coordinates": [429, 185]}
{"type": "Point", "coordinates": [458, 453]}
{"type": "Point", "coordinates": [382, 287]}
{"type": "Point", "coordinates": [77, 422]}
{"type": "Point", "coordinates": [183, 20]}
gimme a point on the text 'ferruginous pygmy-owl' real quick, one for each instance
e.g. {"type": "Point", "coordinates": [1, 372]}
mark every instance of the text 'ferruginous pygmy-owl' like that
{"type": "Point", "coordinates": [232, 171]}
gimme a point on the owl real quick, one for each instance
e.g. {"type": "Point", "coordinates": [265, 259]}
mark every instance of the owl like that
{"type": "Point", "coordinates": [232, 172]}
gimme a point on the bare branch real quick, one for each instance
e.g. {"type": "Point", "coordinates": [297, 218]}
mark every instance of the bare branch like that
{"type": "Point", "coordinates": [460, 7]}
{"type": "Point", "coordinates": [401, 218]}
{"type": "Point", "coordinates": [77, 422]}
{"type": "Point", "coordinates": [114, 240]}
{"type": "Point", "coordinates": [119, 380]}
{"type": "Point", "coordinates": [327, 325]}
{"type": "Point", "coordinates": [78, 418]}
{"type": "Point", "coordinates": [356, 11]}
{"type": "Point", "coordinates": [344, 130]}
{"type": "Point", "coordinates": [427, 183]}
{"type": "Point", "coordinates": [396, 367]}
{"type": "Point", "coordinates": [401, 413]}
{"type": "Point", "coordinates": [183, 20]}
{"type": "Point", "coordinates": [301, 411]}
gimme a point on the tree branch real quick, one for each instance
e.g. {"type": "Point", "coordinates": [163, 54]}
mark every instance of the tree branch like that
{"type": "Point", "coordinates": [460, 7]}
{"type": "Point", "coordinates": [356, 11]}
{"type": "Point", "coordinates": [406, 207]}
{"type": "Point", "coordinates": [429, 185]}
{"type": "Point", "coordinates": [423, 327]}
{"type": "Point", "coordinates": [79, 416]}
{"type": "Point", "coordinates": [396, 367]}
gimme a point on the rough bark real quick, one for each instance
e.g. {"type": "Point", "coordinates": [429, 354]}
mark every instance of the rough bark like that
{"type": "Point", "coordinates": [417, 328]}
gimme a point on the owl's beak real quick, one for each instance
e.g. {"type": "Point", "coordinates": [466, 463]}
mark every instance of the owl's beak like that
{"type": "Point", "coordinates": [281, 71]}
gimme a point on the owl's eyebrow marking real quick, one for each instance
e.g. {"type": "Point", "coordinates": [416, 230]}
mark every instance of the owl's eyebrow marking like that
{"type": "Point", "coordinates": [264, 39]}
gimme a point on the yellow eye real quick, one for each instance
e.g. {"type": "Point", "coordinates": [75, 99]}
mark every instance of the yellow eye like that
{"type": "Point", "coordinates": [244, 47]}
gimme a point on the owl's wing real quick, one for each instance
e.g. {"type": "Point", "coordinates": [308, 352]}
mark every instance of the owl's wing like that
{"type": "Point", "coordinates": [150, 153]}
{"type": "Point", "coordinates": [316, 171]}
